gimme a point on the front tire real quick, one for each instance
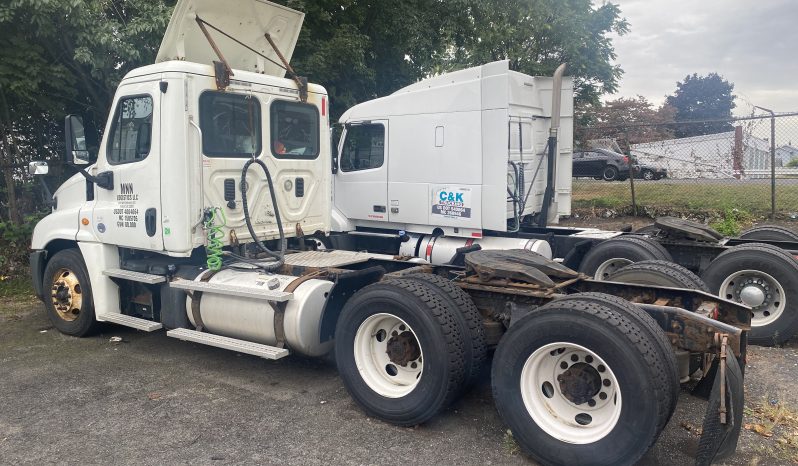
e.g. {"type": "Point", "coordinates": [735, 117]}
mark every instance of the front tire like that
{"type": "Point", "coordinates": [70, 305]}
{"type": "Point", "coordinates": [568, 380]}
{"type": "Point", "coordinates": [400, 351]}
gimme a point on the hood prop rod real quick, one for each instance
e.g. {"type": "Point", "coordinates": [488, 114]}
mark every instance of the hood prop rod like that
{"type": "Point", "coordinates": [302, 83]}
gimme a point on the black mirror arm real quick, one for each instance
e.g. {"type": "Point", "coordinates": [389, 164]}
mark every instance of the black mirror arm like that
{"type": "Point", "coordinates": [103, 180]}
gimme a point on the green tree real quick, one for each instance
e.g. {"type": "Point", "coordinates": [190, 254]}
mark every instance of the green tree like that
{"type": "Point", "coordinates": [792, 163]}
{"type": "Point", "coordinates": [65, 56]}
{"type": "Point", "coordinates": [707, 97]}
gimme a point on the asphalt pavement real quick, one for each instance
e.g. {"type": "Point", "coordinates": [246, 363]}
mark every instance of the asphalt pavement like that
{"type": "Point", "coordinates": [150, 399]}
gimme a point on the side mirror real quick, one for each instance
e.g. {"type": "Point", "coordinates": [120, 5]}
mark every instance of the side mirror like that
{"type": "Point", "coordinates": [76, 151]}
{"type": "Point", "coordinates": [38, 168]}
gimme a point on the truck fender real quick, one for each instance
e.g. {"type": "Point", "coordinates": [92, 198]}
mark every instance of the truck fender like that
{"type": "Point", "coordinates": [345, 286]}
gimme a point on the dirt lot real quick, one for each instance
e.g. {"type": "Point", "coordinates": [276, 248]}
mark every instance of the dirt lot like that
{"type": "Point", "coordinates": [153, 400]}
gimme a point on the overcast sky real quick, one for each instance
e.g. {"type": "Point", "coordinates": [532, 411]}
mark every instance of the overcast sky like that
{"type": "Point", "coordinates": [753, 44]}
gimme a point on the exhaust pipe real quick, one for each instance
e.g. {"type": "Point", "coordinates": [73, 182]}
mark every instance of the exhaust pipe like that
{"type": "Point", "coordinates": [551, 160]}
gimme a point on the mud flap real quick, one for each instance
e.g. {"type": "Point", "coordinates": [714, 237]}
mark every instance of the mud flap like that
{"type": "Point", "coordinates": [724, 415]}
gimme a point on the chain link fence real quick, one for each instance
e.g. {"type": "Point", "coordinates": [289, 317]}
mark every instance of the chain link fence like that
{"type": "Point", "coordinates": [749, 164]}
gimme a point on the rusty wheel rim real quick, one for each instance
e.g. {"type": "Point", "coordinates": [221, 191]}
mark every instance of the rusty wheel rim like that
{"type": "Point", "coordinates": [66, 294]}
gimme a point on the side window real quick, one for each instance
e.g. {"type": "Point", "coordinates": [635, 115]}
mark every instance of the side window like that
{"type": "Point", "coordinates": [364, 148]}
{"type": "Point", "coordinates": [131, 130]}
{"type": "Point", "coordinates": [231, 125]}
{"type": "Point", "coordinates": [295, 130]}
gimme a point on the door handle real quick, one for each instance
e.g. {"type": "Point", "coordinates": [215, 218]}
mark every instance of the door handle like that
{"type": "Point", "coordinates": [149, 221]}
{"type": "Point", "coordinates": [379, 209]}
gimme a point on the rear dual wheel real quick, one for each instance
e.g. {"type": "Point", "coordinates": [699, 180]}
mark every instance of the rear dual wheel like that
{"type": "Point", "coordinates": [403, 352]}
{"type": "Point", "coordinates": [765, 278]}
{"type": "Point", "coordinates": [571, 378]}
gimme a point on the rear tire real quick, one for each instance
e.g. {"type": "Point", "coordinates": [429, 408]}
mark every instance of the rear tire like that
{"type": "Point", "coordinates": [468, 316]}
{"type": "Point", "coordinates": [607, 257]}
{"type": "Point", "coordinates": [68, 297]}
{"type": "Point", "coordinates": [610, 173]}
{"type": "Point", "coordinates": [764, 277]}
{"type": "Point", "coordinates": [537, 396]}
{"type": "Point", "coordinates": [378, 364]}
{"type": "Point", "coordinates": [770, 233]}
{"type": "Point", "coordinates": [647, 175]}
{"type": "Point", "coordinates": [659, 273]}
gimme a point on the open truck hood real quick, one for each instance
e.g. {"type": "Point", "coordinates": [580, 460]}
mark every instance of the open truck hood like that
{"type": "Point", "coordinates": [246, 20]}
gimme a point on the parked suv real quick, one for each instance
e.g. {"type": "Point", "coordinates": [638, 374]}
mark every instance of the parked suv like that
{"type": "Point", "coordinates": [601, 164]}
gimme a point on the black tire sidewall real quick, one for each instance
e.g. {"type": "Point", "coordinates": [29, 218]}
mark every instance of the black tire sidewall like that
{"type": "Point", "coordinates": [774, 265]}
{"type": "Point", "coordinates": [612, 170]}
{"type": "Point", "coordinates": [610, 249]}
{"type": "Point", "coordinates": [70, 259]}
{"type": "Point", "coordinates": [429, 395]}
{"type": "Point", "coordinates": [638, 419]}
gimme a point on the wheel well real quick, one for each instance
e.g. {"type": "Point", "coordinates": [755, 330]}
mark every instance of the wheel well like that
{"type": "Point", "coordinates": [57, 245]}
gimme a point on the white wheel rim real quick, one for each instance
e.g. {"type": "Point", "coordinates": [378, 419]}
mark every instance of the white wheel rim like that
{"type": "Point", "coordinates": [609, 267]}
{"type": "Point", "coordinates": [389, 378]}
{"type": "Point", "coordinates": [759, 290]}
{"type": "Point", "coordinates": [552, 405]}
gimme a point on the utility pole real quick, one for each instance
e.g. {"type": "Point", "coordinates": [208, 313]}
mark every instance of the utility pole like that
{"type": "Point", "coordinates": [772, 160]}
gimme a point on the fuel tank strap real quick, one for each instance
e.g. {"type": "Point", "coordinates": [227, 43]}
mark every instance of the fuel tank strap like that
{"type": "Point", "coordinates": [279, 308]}
{"type": "Point", "coordinates": [196, 297]}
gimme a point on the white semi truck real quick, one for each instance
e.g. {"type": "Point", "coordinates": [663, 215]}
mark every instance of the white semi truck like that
{"type": "Point", "coordinates": [198, 212]}
{"type": "Point", "coordinates": [482, 158]}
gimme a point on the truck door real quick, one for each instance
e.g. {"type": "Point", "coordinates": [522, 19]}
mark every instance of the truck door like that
{"type": "Point", "coordinates": [129, 214]}
{"type": "Point", "coordinates": [361, 185]}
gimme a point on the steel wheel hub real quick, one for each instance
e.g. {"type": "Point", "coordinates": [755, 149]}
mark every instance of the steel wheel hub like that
{"type": "Point", "coordinates": [66, 294]}
{"type": "Point", "coordinates": [571, 393]}
{"type": "Point", "coordinates": [758, 290]}
{"type": "Point", "coordinates": [609, 267]}
{"type": "Point", "coordinates": [388, 355]}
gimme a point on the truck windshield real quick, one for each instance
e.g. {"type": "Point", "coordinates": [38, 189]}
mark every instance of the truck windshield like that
{"type": "Point", "coordinates": [295, 130]}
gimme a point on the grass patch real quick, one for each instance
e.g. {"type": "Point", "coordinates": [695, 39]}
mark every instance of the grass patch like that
{"type": "Point", "coordinates": [700, 195]}
{"type": "Point", "coordinates": [777, 422]}
{"type": "Point", "coordinates": [509, 443]}
{"type": "Point", "coordinates": [16, 287]}
{"type": "Point", "coordinates": [732, 222]}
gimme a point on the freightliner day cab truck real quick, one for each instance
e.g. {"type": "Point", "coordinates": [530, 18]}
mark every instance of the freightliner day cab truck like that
{"type": "Point", "coordinates": [478, 157]}
{"type": "Point", "coordinates": [200, 212]}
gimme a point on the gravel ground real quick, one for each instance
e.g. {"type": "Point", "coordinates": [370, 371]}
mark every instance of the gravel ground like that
{"type": "Point", "coordinates": [153, 400]}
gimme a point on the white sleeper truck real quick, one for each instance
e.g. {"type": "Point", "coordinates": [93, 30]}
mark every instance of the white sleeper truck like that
{"type": "Point", "coordinates": [202, 211]}
{"type": "Point", "coordinates": [482, 158]}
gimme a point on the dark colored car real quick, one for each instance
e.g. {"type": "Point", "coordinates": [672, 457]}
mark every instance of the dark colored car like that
{"type": "Point", "coordinates": [601, 164]}
{"type": "Point", "coordinates": [650, 172]}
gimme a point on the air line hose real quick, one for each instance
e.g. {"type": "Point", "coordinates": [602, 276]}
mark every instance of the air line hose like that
{"type": "Point", "coordinates": [279, 256]}
{"type": "Point", "coordinates": [214, 248]}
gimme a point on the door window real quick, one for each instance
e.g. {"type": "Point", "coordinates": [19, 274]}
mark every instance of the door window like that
{"type": "Point", "coordinates": [364, 148]}
{"type": "Point", "coordinates": [295, 130]}
{"type": "Point", "coordinates": [131, 130]}
{"type": "Point", "coordinates": [230, 125]}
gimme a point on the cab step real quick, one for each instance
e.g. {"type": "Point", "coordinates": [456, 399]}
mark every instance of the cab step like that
{"type": "Point", "coordinates": [232, 344]}
{"type": "Point", "coordinates": [232, 290]}
{"type": "Point", "coordinates": [140, 277]}
{"type": "Point", "coordinates": [128, 321]}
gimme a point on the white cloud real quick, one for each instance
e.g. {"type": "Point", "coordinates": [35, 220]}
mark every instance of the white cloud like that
{"type": "Point", "coordinates": [751, 44]}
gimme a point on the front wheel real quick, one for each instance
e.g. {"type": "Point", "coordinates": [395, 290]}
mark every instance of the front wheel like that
{"type": "Point", "coordinates": [70, 306]}
{"type": "Point", "coordinates": [647, 175]}
{"type": "Point", "coordinates": [568, 380]}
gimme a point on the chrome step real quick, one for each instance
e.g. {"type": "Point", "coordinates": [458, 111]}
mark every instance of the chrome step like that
{"type": "Point", "coordinates": [147, 278]}
{"type": "Point", "coordinates": [128, 321]}
{"type": "Point", "coordinates": [232, 344]}
{"type": "Point", "coordinates": [232, 290]}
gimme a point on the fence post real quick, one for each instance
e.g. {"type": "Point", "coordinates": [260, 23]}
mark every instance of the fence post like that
{"type": "Point", "coordinates": [772, 160]}
{"type": "Point", "coordinates": [632, 183]}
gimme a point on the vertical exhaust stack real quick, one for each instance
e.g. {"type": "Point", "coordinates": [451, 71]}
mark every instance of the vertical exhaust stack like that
{"type": "Point", "coordinates": [556, 103]}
